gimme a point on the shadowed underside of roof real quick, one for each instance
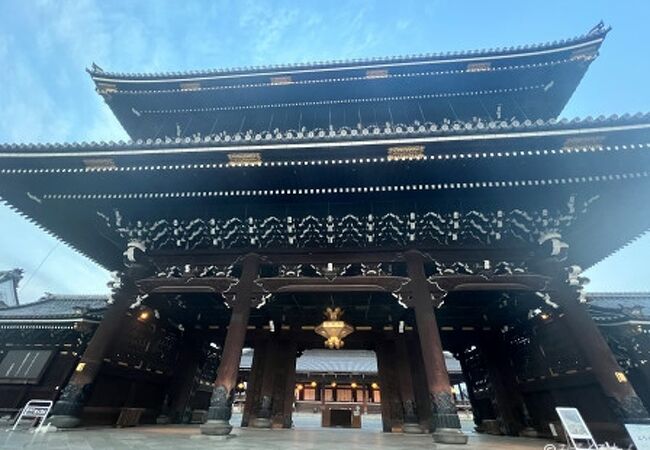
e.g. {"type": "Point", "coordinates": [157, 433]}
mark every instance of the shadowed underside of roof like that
{"type": "Point", "coordinates": [504, 163]}
{"type": "Point", "coordinates": [213, 150]}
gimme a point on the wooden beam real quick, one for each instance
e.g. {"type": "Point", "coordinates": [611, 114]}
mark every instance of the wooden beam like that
{"type": "Point", "coordinates": [342, 255]}
{"type": "Point", "coordinates": [338, 284]}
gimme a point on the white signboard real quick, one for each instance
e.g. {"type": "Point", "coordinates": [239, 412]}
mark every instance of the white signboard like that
{"type": "Point", "coordinates": [575, 427]}
{"type": "Point", "coordinates": [640, 435]}
{"type": "Point", "coordinates": [36, 411]}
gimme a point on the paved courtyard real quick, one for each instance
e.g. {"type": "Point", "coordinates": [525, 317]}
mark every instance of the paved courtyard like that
{"type": "Point", "coordinates": [306, 435]}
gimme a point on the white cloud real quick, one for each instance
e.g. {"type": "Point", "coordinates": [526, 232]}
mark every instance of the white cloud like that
{"type": "Point", "coordinates": [29, 113]}
{"type": "Point", "coordinates": [402, 24]}
{"type": "Point", "coordinates": [5, 41]}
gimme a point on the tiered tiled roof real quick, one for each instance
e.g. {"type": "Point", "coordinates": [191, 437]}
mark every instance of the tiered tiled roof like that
{"type": "Point", "coordinates": [327, 149]}
{"type": "Point", "coordinates": [531, 82]}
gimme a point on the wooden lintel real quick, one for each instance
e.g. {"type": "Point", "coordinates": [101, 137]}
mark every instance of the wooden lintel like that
{"type": "Point", "coordinates": [338, 284]}
{"type": "Point", "coordinates": [216, 285]}
{"type": "Point", "coordinates": [511, 282]}
{"type": "Point", "coordinates": [339, 256]}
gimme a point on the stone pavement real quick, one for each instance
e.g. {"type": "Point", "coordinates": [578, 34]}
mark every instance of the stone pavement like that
{"type": "Point", "coordinates": [307, 435]}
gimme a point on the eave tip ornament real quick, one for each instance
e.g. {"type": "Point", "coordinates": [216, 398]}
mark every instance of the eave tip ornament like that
{"type": "Point", "coordinates": [333, 329]}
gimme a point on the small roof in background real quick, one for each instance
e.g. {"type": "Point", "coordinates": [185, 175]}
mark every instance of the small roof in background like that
{"type": "Point", "coordinates": [619, 306]}
{"type": "Point", "coordinates": [339, 361]}
{"type": "Point", "coordinates": [55, 307]}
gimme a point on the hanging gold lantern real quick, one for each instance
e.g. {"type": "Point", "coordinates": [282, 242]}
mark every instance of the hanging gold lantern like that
{"type": "Point", "coordinates": [334, 330]}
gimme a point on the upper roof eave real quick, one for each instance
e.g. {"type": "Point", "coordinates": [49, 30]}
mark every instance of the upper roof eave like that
{"type": "Point", "coordinates": [597, 32]}
{"type": "Point", "coordinates": [493, 130]}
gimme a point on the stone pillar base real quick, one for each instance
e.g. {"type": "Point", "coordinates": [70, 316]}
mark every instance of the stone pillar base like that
{"type": "Point", "coordinates": [64, 421]}
{"type": "Point", "coordinates": [412, 428]}
{"type": "Point", "coordinates": [163, 419]}
{"type": "Point", "coordinates": [449, 436]}
{"type": "Point", "coordinates": [529, 432]}
{"type": "Point", "coordinates": [261, 422]}
{"type": "Point", "coordinates": [216, 427]}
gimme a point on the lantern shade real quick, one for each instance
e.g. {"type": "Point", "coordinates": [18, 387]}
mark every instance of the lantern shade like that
{"type": "Point", "coordinates": [334, 330]}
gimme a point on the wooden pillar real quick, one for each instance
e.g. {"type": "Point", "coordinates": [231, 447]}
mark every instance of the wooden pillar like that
{"type": "Point", "coordinates": [506, 399]}
{"type": "Point", "coordinates": [285, 383]}
{"type": "Point", "coordinates": [263, 407]}
{"type": "Point", "coordinates": [622, 399]}
{"type": "Point", "coordinates": [419, 378]}
{"type": "Point", "coordinates": [220, 410]}
{"type": "Point", "coordinates": [254, 382]}
{"type": "Point", "coordinates": [406, 389]}
{"type": "Point", "coordinates": [67, 410]}
{"type": "Point", "coordinates": [640, 379]}
{"type": "Point", "coordinates": [469, 382]}
{"type": "Point", "coordinates": [445, 415]}
{"type": "Point", "coordinates": [391, 406]}
{"type": "Point", "coordinates": [181, 386]}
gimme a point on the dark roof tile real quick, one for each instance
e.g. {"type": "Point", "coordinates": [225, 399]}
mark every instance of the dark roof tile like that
{"type": "Point", "coordinates": [56, 307]}
{"type": "Point", "coordinates": [339, 361]}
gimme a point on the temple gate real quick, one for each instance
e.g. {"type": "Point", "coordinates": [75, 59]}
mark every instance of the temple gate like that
{"type": "Point", "coordinates": [434, 199]}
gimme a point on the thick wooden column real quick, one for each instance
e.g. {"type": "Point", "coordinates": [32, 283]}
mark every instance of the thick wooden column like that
{"type": "Point", "coordinates": [67, 410]}
{"type": "Point", "coordinates": [622, 399]}
{"type": "Point", "coordinates": [220, 410]}
{"type": "Point", "coordinates": [469, 382]}
{"type": "Point", "coordinates": [391, 410]}
{"type": "Point", "coordinates": [263, 406]}
{"type": "Point", "coordinates": [253, 388]}
{"type": "Point", "coordinates": [285, 384]}
{"type": "Point", "coordinates": [445, 415]}
{"type": "Point", "coordinates": [506, 400]}
{"type": "Point", "coordinates": [183, 381]}
{"type": "Point", "coordinates": [419, 377]}
{"type": "Point", "coordinates": [406, 389]}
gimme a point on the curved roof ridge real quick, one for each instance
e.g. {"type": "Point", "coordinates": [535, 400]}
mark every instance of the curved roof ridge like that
{"type": "Point", "coordinates": [343, 133]}
{"type": "Point", "coordinates": [600, 30]}
{"type": "Point", "coordinates": [76, 296]}
{"type": "Point", "coordinates": [40, 301]}
{"type": "Point", "coordinates": [56, 307]}
{"type": "Point", "coordinates": [619, 294]}
{"type": "Point", "coordinates": [48, 297]}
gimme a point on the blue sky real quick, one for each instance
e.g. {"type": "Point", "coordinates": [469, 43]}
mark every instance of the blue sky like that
{"type": "Point", "coordinates": [45, 94]}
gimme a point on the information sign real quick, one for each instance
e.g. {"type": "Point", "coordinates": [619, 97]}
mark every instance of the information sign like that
{"type": "Point", "coordinates": [36, 411]}
{"type": "Point", "coordinates": [640, 435]}
{"type": "Point", "coordinates": [575, 428]}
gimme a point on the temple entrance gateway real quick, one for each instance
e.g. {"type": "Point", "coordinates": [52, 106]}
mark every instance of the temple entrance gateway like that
{"type": "Point", "coordinates": [383, 322]}
{"type": "Point", "coordinates": [435, 200]}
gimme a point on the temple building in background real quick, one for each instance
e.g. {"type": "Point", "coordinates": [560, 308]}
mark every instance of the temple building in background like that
{"type": "Point", "coordinates": [406, 206]}
{"type": "Point", "coordinates": [9, 280]}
